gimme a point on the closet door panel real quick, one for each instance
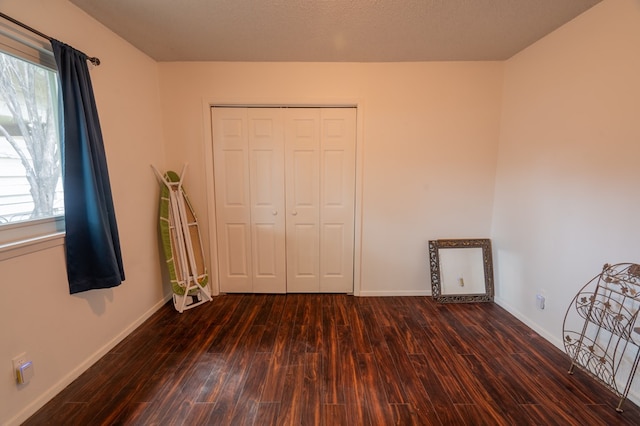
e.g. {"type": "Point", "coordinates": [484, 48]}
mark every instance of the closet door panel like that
{"type": "Point", "coordinates": [305, 180]}
{"type": "Point", "coordinates": [337, 198]}
{"type": "Point", "coordinates": [333, 238]}
{"type": "Point", "coordinates": [232, 193]}
{"type": "Point", "coordinates": [235, 238]}
{"type": "Point", "coordinates": [305, 257]}
{"type": "Point", "coordinates": [266, 265]}
{"type": "Point", "coordinates": [302, 165]}
{"type": "Point", "coordinates": [266, 170]}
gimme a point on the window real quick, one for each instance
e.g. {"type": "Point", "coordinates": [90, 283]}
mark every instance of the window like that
{"type": "Point", "coordinates": [31, 197]}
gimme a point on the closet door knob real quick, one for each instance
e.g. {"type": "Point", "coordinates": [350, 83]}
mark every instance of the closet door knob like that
{"type": "Point", "coordinates": [274, 212]}
{"type": "Point", "coordinates": [294, 213]}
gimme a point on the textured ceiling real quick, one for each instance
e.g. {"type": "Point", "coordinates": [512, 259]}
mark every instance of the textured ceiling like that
{"type": "Point", "coordinates": [332, 30]}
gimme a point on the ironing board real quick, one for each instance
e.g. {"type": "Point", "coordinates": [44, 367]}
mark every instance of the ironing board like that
{"type": "Point", "coordinates": [182, 244]}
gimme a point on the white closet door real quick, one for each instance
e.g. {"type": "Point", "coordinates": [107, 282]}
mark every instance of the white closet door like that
{"type": "Point", "coordinates": [249, 188]}
{"type": "Point", "coordinates": [266, 171]}
{"type": "Point", "coordinates": [320, 196]}
{"type": "Point", "coordinates": [285, 197]}
{"type": "Point", "coordinates": [337, 198]}
{"type": "Point", "coordinates": [233, 203]}
{"type": "Point", "coordinates": [302, 164]}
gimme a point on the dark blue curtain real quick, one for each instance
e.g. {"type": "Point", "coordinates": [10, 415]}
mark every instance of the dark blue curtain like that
{"type": "Point", "coordinates": [92, 243]}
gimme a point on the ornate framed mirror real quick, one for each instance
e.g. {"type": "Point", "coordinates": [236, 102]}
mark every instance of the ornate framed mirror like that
{"type": "Point", "coordinates": [461, 270]}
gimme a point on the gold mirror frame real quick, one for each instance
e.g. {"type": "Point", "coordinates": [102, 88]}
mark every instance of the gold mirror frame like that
{"type": "Point", "coordinates": [436, 279]}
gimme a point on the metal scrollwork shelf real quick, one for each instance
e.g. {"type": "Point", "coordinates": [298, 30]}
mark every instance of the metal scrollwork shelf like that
{"type": "Point", "coordinates": [600, 333]}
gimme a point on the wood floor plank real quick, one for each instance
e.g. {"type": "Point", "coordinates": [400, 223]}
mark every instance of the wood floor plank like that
{"type": "Point", "coordinates": [494, 393]}
{"type": "Point", "coordinates": [340, 309]}
{"type": "Point", "coordinates": [291, 403]}
{"type": "Point", "coordinates": [60, 413]}
{"type": "Point", "coordinates": [481, 415]}
{"type": "Point", "coordinates": [416, 395]}
{"type": "Point", "coordinates": [502, 368]}
{"type": "Point", "coordinates": [97, 376]}
{"type": "Point", "coordinates": [267, 413]}
{"type": "Point", "coordinates": [311, 399]}
{"type": "Point", "coordinates": [247, 406]}
{"type": "Point", "coordinates": [231, 380]}
{"type": "Point", "coordinates": [409, 327]}
{"type": "Point", "coordinates": [268, 340]}
{"type": "Point", "coordinates": [312, 318]}
{"type": "Point", "coordinates": [444, 369]}
{"type": "Point", "coordinates": [276, 372]}
{"type": "Point", "coordinates": [389, 379]}
{"type": "Point", "coordinates": [265, 303]}
{"type": "Point", "coordinates": [374, 390]}
{"type": "Point", "coordinates": [335, 414]}
{"type": "Point", "coordinates": [311, 359]}
{"type": "Point", "coordinates": [353, 387]}
{"type": "Point", "coordinates": [359, 334]}
{"type": "Point", "coordinates": [197, 413]}
{"type": "Point", "coordinates": [331, 362]}
{"type": "Point", "coordinates": [430, 377]}
{"type": "Point", "coordinates": [553, 380]}
{"type": "Point", "coordinates": [229, 338]}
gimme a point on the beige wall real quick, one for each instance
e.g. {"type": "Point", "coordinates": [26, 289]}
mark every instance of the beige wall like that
{"type": "Point", "coordinates": [567, 191]}
{"type": "Point", "coordinates": [428, 137]}
{"type": "Point", "coordinates": [64, 334]}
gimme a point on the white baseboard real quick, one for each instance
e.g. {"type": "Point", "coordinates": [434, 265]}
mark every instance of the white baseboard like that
{"type": "Point", "coordinates": [38, 403]}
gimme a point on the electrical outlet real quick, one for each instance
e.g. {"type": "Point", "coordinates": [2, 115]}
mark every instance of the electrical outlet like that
{"type": "Point", "coordinates": [540, 302]}
{"type": "Point", "coordinates": [17, 362]}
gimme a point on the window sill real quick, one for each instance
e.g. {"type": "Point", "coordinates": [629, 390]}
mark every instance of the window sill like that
{"type": "Point", "coordinates": [31, 245]}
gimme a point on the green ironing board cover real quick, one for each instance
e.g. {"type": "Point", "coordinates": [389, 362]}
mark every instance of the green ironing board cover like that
{"type": "Point", "coordinates": [165, 232]}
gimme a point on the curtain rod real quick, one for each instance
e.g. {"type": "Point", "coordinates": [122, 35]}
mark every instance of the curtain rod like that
{"type": "Point", "coordinates": [95, 61]}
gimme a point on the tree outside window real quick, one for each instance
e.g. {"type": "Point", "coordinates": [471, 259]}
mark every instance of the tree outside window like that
{"type": "Point", "coordinates": [30, 166]}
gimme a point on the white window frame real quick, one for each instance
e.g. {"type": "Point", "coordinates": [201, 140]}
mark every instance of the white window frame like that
{"type": "Point", "coordinates": [21, 238]}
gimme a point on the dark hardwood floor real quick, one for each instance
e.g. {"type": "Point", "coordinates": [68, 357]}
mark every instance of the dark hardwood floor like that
{"type": "Point", "coordinates": [333, 360]}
